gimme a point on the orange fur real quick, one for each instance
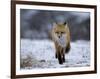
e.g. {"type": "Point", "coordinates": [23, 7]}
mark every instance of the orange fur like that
{"type": "Point", "coordinates": [61, 37]}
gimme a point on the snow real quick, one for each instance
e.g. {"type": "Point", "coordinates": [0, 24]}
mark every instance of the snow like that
{"type": "Point", "coordinates": [41, 54]}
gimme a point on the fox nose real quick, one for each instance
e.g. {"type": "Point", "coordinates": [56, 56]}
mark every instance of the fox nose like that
{"type": "Point", "coordinates": [59, 36]}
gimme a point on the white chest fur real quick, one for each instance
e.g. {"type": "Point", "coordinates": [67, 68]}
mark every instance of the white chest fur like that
{"type": "Point", "coordinates": [62, 41]}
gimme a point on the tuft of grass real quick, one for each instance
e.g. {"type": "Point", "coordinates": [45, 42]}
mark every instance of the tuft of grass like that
{"type": "Point", "coordinates": [27, 60]}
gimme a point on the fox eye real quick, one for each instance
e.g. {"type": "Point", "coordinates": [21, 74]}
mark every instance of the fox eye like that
{"type": "Point", "coordinates": [62, 32]}
{"type": "Point", "coordinates": [57, 32]}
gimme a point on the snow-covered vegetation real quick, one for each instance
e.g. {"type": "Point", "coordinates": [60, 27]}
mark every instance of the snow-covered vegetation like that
{"type": "Point", "coordinates": [41, 54]}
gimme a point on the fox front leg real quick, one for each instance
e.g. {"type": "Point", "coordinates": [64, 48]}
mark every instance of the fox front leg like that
{"type": "Point", "coordinates": [56, 56]}
{"type": "Point", "coordinates": [63, 54]}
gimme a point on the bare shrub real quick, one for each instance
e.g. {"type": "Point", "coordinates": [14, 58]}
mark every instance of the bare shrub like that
{"type": "Point", "coordinates": [27, 60]}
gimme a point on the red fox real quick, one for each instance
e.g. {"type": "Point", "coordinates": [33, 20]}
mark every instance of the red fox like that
{"type": "Point", "coordinates": [61, 37]}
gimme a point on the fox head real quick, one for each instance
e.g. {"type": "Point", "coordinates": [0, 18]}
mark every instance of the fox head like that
{"type": "Point", "coordinates": [60, 29]}
{"type": "Point", "coordinates": [60, 33]}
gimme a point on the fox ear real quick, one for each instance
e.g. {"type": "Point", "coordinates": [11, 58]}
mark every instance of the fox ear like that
{"type": "Point", "coordinates": [65, 23]}
{"type": "Point", "coordinates": [54, 25]}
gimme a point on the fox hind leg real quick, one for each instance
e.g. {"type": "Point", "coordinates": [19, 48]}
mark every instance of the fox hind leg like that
{"type": "Point", "coordinates": [67, 48]}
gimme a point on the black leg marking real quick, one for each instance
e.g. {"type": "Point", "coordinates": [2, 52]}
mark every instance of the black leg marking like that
{"type": "Point", "coordinates": [60, 59]}
{"type": "Point", "coordinates": [56, 55]}
{"type": "Point", "coordinates": [67, 48]}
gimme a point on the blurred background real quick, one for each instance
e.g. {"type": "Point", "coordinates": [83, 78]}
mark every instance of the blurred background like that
{"type": "Point", "coordinates": [36, 24]}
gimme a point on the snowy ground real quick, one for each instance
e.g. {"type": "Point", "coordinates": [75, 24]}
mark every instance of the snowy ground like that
{"type": "Point", "coordinates": [41, 54]}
